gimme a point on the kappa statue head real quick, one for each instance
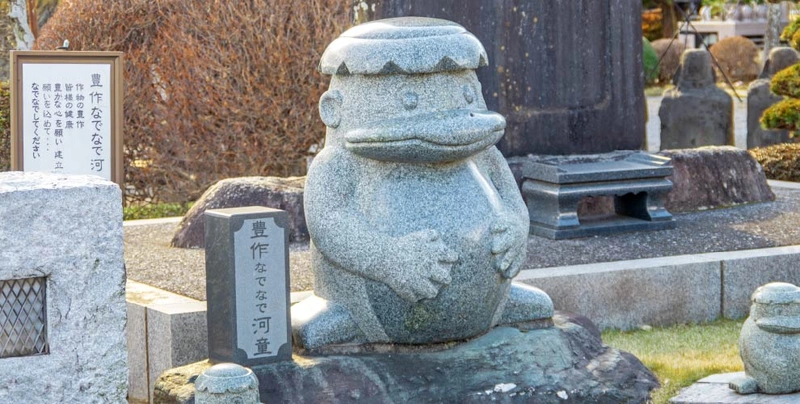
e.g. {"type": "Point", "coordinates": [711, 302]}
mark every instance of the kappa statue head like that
{"type": "Point", "coordinates": [405, 90]}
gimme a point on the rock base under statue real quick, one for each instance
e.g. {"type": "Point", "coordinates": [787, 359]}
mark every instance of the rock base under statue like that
{"type": "Point", "coordinates": [564, 363]}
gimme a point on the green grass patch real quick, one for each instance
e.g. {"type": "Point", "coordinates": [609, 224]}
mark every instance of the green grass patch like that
{"type": "Point", "coordinates": [681, 355]}
{"type": "Point", "coordinates": [155, 211]}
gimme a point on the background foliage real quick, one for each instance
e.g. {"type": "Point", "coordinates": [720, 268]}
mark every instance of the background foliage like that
{"type": "Point", "coordinates": [786, 114]}
{"type": "Point", "coordinates": [214, 89]}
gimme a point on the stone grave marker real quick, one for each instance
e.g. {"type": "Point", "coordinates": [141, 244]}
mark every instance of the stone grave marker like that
{"type": "Point", "coordinates": [760, 97]}
{"type": "Point", "coordinates": [247, 285]}
{"type": "Point", "coordinates": [696, 112]}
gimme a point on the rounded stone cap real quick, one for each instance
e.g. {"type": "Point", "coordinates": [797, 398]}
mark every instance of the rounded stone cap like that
{"type": "Point", "coordinates": [777, 293]}
{"type": "Point", "coordinates": [405, 45]}
{"type": "Point", "coordinates": [779, 58]}
{"type": "Point", "coordinates": [226, 378]}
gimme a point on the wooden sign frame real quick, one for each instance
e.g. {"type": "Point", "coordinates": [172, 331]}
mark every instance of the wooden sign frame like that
{"type": "Point", "coordinates": [66, 60]}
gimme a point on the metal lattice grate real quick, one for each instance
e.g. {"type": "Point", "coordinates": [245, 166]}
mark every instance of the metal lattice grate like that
{"type": "Point", "coordinates": [23, 320]}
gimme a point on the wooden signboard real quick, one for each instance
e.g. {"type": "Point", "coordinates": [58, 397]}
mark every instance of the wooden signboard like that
{"type": "Point", "coordinates": [66, 113]}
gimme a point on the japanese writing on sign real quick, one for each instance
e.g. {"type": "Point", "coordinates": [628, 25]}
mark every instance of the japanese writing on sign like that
{"type": "Point", "coordinates": [260, 288]}
{"type": "Point", "coordinates": [67, 118]}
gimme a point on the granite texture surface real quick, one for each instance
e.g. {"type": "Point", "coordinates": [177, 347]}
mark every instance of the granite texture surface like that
{"type": "Point", "coordinates": [696, 112]}
{"type": "Point", "coordinates": [770, 342]}
{"type": "Point", "coordinates": [744, 275]}
{"type": "Point", "coordinates": [759, 98]}
{"type": "Point", "coordinates": [67, 228]}
{"type": "Point", "coordinates": [416, 223]}
{"type": "Point", "coordinates": [150, 259]}
{"type": "Point", "coordinates": [563, 363]}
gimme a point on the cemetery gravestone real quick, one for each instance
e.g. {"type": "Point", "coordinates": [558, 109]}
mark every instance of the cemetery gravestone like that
{"type": "Point", "coordinates": [566, 74]}
{"type": "Point", "coordinates": [247, 285]}
{"type": "Point", "coordinates": [760, 97]}
{"type": "Point", "coordinates": [62, 289]}
{"type": "Point", "coordinates": [696, 112]}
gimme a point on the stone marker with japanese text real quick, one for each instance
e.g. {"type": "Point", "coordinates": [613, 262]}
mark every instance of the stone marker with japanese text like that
{"type": "Point", "coordinates": [247, 285]}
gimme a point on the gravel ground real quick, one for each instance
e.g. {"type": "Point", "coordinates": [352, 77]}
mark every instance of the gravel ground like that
{"type": "Point", "coordinates": [150, 259]}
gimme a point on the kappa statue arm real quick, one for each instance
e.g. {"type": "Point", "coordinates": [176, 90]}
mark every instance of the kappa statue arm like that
{"type": "Point", "coordinates": [510, 230]}
{"type": "Point", "coordinates": [416, 265]}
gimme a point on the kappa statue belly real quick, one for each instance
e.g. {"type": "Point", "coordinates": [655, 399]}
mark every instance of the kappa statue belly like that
{"type": "Point", "coordinates": [416, 222]}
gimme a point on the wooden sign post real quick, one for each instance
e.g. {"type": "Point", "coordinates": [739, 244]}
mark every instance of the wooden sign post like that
{"type": "Point", "coordinates": [66, 113]}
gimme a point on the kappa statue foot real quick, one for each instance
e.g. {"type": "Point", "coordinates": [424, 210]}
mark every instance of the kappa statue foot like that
{"type": "Point", "coordinates": [527, 306]}
{"type": "Point", "coordinates": [317, 323]}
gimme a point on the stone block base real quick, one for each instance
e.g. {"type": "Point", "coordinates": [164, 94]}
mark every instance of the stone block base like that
{"type": "Point", "coordinates": [566, 362]}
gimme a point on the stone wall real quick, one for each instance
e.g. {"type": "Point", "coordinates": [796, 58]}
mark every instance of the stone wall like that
{"type": "Point", "coordinates": [66, 232]}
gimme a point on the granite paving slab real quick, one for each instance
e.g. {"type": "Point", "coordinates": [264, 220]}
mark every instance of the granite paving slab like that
{"type": "Point", "coordinates": [150, 259]}
{"type": "Point", "coordinates": [714, 390]}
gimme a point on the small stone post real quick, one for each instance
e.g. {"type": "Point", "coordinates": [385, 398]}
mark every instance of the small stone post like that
{"type": "Point", "coordinates": [247, 285]}
{"type": "Point", "coordinates": [226, 383]}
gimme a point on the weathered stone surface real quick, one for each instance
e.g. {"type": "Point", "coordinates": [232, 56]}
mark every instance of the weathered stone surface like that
{"type": "Point", "coordinates": [417, 225]}
{"type": "Point", "coordinates": [271, 192]}
{"type": "Point", "coordinates": [565, 363]}
{"type": "Point", "coordinates": [713, 177]}
{"type": "Point", "coordinates": [696, 112]}
{"type": "Point", "coordinates": [759, 98]}
{"type": "Point", "coordinates": [226, 383]}
{"type": "Point", "coordinates": [69, 230]}
{"type": "Point", "coordinates": [770, 341]}
{"type": "Point", "coordinates": [566, 74]}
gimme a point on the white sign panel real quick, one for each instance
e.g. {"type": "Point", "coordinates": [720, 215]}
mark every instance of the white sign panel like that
{"type": "Point", "coordinates": [66, 118]}
{"type": "Point", "coordinates": [261, 326]}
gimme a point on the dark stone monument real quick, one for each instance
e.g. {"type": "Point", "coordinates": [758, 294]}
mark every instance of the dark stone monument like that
{"type": "Point", "coordinates": [759, 98]}
{"type": "Point", "coordinates": [247, 285]}
{"type": "Point", "coordinates": [636, 181]}
{"type": "Point", "coordinates": [696, 112]}
{"type": "Point", "coordinates": [566, 74]}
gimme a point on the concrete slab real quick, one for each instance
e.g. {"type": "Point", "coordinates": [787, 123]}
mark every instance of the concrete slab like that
{"type": "Point", "coordinates": [743, 274]}
{"type": "Point", "coordinates": [714, 390]}
{"type": "Point", "coordinates": [616, 295]}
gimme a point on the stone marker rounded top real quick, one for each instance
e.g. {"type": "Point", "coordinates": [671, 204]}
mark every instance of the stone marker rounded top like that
{"type": "Point", "coordinates": [226, 378]}
{"type": "Point", "coordinates": [406, 45]}
{"type": "Point", "coordinates": [777, 293]}
{"type": "Point", "coordinates": [695, 70]}
{"type": "Point", "coordinates": [779, 59]}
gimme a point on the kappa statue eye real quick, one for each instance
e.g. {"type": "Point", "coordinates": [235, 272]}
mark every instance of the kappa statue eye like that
{"type": "Point", "coordinates": [410, 100]}
{"type": "Point", "coordinates": [469, 93]}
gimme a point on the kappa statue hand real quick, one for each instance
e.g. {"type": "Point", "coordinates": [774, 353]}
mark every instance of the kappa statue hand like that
{"type": "Point", "coordinates": [509, 244]}
{"type": "Point", "coordinates": [422, 266]}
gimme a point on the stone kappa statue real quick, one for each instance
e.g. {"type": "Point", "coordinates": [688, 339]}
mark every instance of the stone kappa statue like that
{"type": "Point", "coordinates": [770, 342]}
{"type": "Point", "coordinates": [416, 222]}
{"type": "Point", "coordinates": [696, 112]}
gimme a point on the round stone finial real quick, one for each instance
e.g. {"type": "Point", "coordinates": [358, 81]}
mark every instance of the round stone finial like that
{"type": "Point", "coordinates": [777, 293]}
{"type": "Point", "coordinates": [226, 383]}
{"type": "Point", "coordinates": [405, 45]}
